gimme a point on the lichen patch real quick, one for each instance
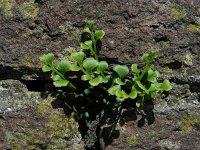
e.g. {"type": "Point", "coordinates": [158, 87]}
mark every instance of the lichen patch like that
{"type": "Point", "coordinates": [29, 10]}
{"type": "Point", "coordinates": [7, 6]}
{"type": "Point", "coordinates": [178, 13]}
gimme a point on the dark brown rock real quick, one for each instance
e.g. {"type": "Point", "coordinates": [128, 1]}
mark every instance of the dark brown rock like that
{"type": "Point", "coordinates": [132, 27]}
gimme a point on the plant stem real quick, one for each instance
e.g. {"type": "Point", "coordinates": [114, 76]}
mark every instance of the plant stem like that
{"type": "Point", "coordinates": [72, 86]}
{"type": "Point", "coordinates": [95, 45]}
{"type": "Point", "coordinates": [103, 88]}
{"type": "Point", "coordinates": [95, 56]}
{"type": "Point", "coordinates": [63, 77]}
{"type": "Point", "coordinates": [83, 70]}
{"type": "Point", "coordinates": [144, 71]}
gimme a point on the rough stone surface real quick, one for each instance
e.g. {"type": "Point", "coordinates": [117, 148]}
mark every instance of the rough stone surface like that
{"type": "Point", "coordinates": [36, 125]}
{"type": "Point", "coordinates": [31, 28]}
{"type": "Point", "coordinates": [15, 96]}
{"type": "Point", "coordinates": [167, 132]}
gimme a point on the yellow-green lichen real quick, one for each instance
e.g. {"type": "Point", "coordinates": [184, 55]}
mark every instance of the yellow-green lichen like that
{"type": "Point", "coordinates": [181, 101]}
{"type": "Point", "coordinates": [167, 44]}
{"type": "Point", "coordinates": [131, 140]}
{"type": "Point", "coordinates": [7, 6]}
{"type": "Point", "coordinates": [29, 10]}
{"type": "Point", "coordinates": [193, 28]}
{"type": "Point", "coordinates": [167, 70]}
{"type": "Point", "coordinates": [27, 33]}
{"type": "Point", "coordinates": [43, 108]}
{"type": "Point", "coordinates": [187, 59]}
{"type": "Point", "coordinates": [38, 31]}
{"type": "Point", "coordinates": [71, 33]}
{"type": "Point", "coordinates": [73, 37]}
{"type": "Point", "coordinates": [188, 122]}
{"type": "Point", "coordinates": [178, 13]}
{"type": "Point", "coordinates": [121, 128]}
{"type": "Point", "coordinates": [152, 134]}
{"type": "Point", "coordinates": [9, 136]}
{"type": "Point", "coordinates": [30, 61]}
{"type": "Point", "coordinates": [52, 129]}
{"type": "Point", "coordinates": [168, 144]}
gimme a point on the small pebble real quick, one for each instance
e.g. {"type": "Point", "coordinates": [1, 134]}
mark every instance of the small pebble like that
{"type": "Point", "coordinates": [9, 109]}
{"type": "Point", "coordinates": [195, 102]}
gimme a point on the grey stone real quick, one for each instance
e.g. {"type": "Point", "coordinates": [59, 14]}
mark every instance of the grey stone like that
{"type": "Point", "coordinates": [15, 96]}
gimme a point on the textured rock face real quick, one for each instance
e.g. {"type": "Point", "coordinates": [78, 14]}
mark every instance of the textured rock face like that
{"type": "Point", "coordinates": [29, 122]}
{"type": "Point", "coordinates": [15, 96]}
{"type": "Point", "coordinates": [31, 28]}
{"type": "Point", "coordinates": [178, 130]}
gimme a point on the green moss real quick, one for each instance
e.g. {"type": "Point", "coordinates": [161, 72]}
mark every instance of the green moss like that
{"type": "Point", "coordinates": [131, 140]}
{"type": "Point", "coordinates": [7, 6]}
{"type": "Point", "coordinates": [188, 122]}
{"type": "Point", "coordinates": [178, 13]}
{"type": "Point", "coordinates": [29, 10]}
{"type": "Point", "coordinates": [193, 28]}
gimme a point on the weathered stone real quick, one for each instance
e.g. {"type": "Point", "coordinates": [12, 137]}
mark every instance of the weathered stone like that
{"type": "Point", "coordinates": [39, 126]}
{"type": "Point", "coordinates": [165, 133]}
{"type": "Point", "coordinates": [31, 28]}
{"type": "Point", "coordinates": [15, 96]}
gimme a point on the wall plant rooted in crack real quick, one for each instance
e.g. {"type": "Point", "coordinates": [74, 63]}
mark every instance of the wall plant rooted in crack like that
{"type": "Point", "coordinates": [90, 86]}
{"type": "Point", "coordinates": [139, 85]}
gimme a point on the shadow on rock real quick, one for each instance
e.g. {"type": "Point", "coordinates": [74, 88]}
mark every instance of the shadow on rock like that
{"type": "Point", "coordinates": [99, 116]}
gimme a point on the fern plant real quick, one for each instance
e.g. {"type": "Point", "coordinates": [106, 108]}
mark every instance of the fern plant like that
{"type": "Point", "coordinates": [123, 83]}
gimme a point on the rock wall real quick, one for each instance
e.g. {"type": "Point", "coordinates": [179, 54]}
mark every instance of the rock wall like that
{"type": "Point", "coordinates": [30, 28]}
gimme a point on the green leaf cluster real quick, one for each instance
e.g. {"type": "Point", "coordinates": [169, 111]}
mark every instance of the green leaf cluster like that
{"type": "Point", "coordinates": [138, 84]}
{"type": "Point", "coordinates": [58, 70]}
{"type": "Point", "coordinates": [141, 84]}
